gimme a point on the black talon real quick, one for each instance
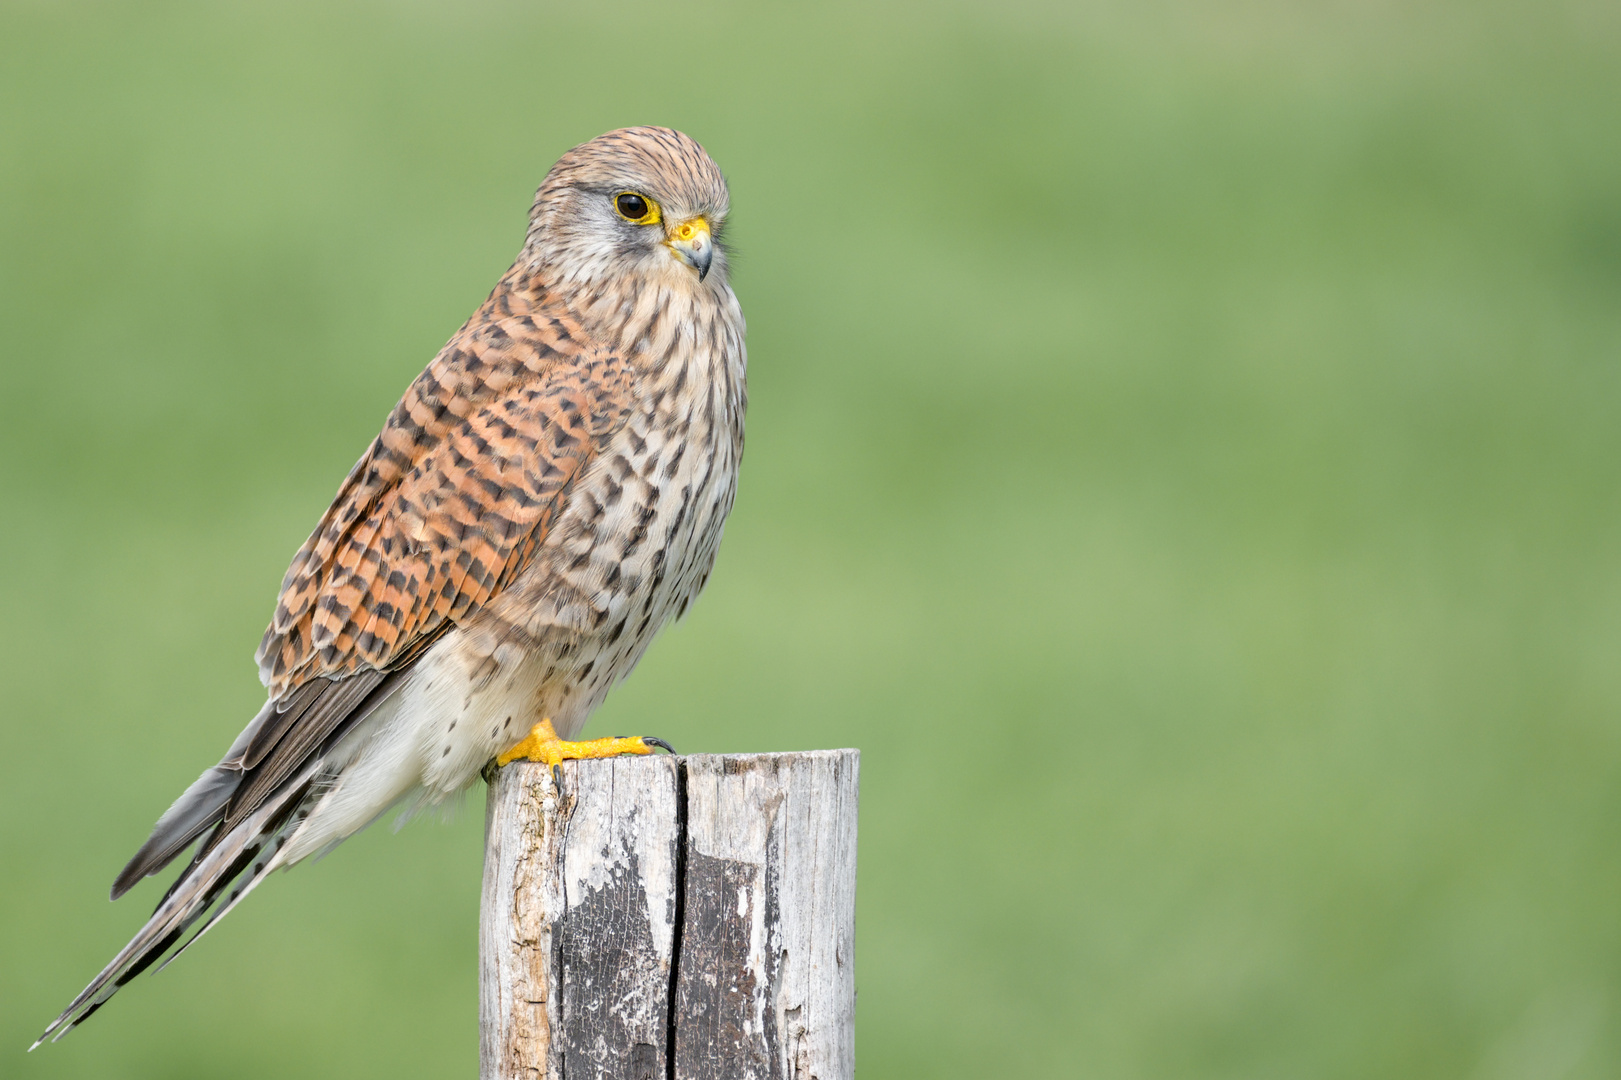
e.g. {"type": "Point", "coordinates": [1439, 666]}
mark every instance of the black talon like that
{"type": "Point", "coordinates": [648, 740]}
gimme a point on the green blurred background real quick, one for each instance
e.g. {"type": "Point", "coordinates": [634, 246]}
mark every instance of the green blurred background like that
{"type": "Point", "coordinates": [1183, 456]}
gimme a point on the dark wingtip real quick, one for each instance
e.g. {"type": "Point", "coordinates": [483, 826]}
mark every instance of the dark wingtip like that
{"type": "Point", "coordinates": [136, 869]}
{"type": "Point", "coordinates": [199, 807]}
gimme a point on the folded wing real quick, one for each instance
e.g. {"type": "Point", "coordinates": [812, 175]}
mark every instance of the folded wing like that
{"type": "Point", "coordinates": [445, 508]}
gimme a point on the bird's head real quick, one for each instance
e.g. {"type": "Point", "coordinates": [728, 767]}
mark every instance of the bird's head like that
{"type": "Point", "coordinates": [643, 203]}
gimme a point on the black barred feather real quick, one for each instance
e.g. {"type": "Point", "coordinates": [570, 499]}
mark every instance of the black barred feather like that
{"type": "Point", "coordinates": [191, 898]}
{"type": "Point", "coordinates": [253, 800]}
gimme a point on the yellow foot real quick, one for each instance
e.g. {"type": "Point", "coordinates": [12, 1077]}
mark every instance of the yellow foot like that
{"type": "Point", "coordinates": [542, 744]}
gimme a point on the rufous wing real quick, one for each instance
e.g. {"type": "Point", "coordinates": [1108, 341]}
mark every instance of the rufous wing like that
{"type": "Point", "coordinates": [451, 499]}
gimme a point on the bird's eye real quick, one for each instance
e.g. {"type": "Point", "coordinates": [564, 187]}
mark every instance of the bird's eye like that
{"type": "Point", "coordinates": [632, 207]}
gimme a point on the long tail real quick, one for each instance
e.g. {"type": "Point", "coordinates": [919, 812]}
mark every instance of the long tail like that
{"type": "Point", "coordinates": [243, 856]}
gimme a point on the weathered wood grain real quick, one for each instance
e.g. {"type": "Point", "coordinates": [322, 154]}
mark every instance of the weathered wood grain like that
{"type": "Point", "coordinates": [578, 921]}
{"type": "Point", "coordinates": [688, 918]}
{"type": "Point", "coordinates": [766, 982]}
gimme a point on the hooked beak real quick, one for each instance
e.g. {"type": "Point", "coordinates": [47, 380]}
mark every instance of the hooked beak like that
{"type": "Point", "coordinates": [692, 244]}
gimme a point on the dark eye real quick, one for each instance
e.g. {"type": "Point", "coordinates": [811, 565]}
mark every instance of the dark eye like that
{"type": "Point", "coordinates": [633, 206]}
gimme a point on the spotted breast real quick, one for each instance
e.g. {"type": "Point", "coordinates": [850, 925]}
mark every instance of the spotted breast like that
{"type": "Point", "coordinates": [632, 549]}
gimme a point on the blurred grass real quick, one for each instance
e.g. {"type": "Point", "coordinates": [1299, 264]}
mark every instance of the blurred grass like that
{"type": "Point", "coordinates": [1183, 456]}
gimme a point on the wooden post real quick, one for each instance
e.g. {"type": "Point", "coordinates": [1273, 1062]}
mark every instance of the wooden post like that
{"type": "Point", "coordinates": [671, 918]}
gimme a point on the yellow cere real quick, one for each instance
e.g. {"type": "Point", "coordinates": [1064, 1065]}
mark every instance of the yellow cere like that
{"type": "Point", "coordinates": [688, 229]}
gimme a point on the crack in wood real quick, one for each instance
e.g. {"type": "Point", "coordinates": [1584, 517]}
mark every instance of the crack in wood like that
{"type": "Point", "coordinates": [678, 917]}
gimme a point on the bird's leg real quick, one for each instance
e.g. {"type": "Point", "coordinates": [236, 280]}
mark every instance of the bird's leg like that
{"type": "Point", "coordinates": [542, 744]}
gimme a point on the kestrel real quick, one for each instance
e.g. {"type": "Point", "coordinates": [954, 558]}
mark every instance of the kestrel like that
{"type": "Point", "coordinates": [548, 493]}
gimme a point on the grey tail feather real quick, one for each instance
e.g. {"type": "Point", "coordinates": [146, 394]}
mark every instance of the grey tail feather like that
{"type": "Point", "coordinates": [266, 861]}
{"type": "Point", "coordinates": [234, 856]}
